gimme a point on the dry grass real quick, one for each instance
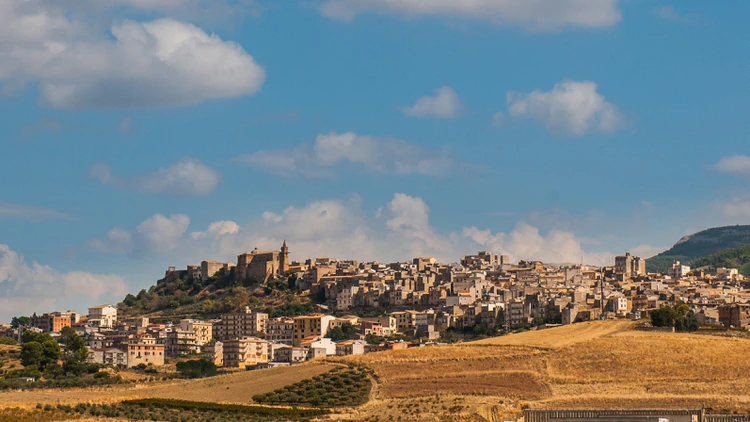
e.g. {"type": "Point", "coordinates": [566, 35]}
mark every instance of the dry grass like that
{"type": "Point", "coordinates": [233, 388]}
{"type": "Point", "coordinates": [597, 364]}
{"type": "Point", "coordinates": [9, 357]}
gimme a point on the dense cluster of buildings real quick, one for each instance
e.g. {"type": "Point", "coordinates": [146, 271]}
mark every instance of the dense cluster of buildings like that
{"type": "Point", "coordinates": [417, 301]}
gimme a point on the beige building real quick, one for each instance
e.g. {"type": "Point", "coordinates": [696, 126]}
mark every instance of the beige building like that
{"type": "Point", "coordinates": [311, 325]}
{"type": "Point", "coordinates": [210, 268]}
{"type": "Point", "coordinates": [104, 316]}
{"type": "Point", "coordinates": [280, 330]}
{"type": "Point", "coordinates": [144, 350]}
{"type": "Point", "coordinates": [202, 330]}
{"type": "Point", "coordinates": [262, 265]}
{"type": "Point", "coordinates": [214, 352]}
{"type": "Point", "coordinates": [247, 323]}
{"type": "Point", "coordinates": [630, 265]}
{"type": "Point", "coordinates": [180, 343]}
{"type": "Point", "coordinates": [246, 351]}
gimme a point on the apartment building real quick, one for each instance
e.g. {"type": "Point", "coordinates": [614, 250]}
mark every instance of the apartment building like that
{"type": "Point", "coordinates": [247, 323]}
{"type": "Point", "coordinates": [180, 343]}
{"type": "Point", "coordinates": [52, 322]}
{"type": "Point", "coordinates": [103, 316]}
{"type": "Point", "coordinates": [144, 350]}
{"type": "Point", "coordinates": [214, 352]}
{"type": "Point", "coordinates": [202, 330]}
{"type": "Point", "coordinates": [309, 326]}
{"type": "Point", "coordinates": [246, 351]}
{"type": "Point", "coordinates": [280, 330]}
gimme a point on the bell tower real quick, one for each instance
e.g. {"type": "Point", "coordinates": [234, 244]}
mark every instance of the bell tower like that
{"type": "Point", "coordinates": [284, 258]}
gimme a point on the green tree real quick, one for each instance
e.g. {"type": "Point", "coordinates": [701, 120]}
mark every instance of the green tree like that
{"type": "Point", "coordinates": [75, 347]}
{"type": "Point", "coordinates": [29, 336]}
{"type": "Point", "coordinates": [32, 354]}
{"type": "Point", "coordinates": [129, 300]}
{"type": "Point", "coordinates": [197, 368]}
{"type": "Point", "coordinates": [344, 332]}
{"type": "Point", "coordinates": [20, 321]}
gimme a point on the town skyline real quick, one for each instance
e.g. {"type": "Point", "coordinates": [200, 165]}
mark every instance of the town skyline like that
{"type": "Point", "coordinates": [366, 130]}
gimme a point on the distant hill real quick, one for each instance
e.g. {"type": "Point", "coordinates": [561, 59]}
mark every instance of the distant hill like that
{"type": "Point", "coordinates": [699, 245]}
{"type": "Point", "coordinates": [728, 258]}
{"type": "Point", "coordinates": [183, 297]}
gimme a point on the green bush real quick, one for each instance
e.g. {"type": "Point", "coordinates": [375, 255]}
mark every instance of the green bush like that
{"type": "Point", "coordinates": [328, 390]}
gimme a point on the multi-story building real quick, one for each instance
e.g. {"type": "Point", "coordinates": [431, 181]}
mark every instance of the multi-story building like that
{"type": "Point", "coordinates": [261, 265]}
{"type": "Point", "coordinates": [108, 356]}
{"type": "Point", "coordinates": [214, 352]}
{"type": "Point", "coordinates": [405, 320]}
{"type": "Point", "coordinates": [350, 347]}
{"type": "Point", "coordinates": [246, 351]}
{"type": "Point", "coordinates": [180, 343]}
{"type": "Point", "coordinates": [203, 330]}
{"type": "Point", "coordinates": [311, 325]}
{"type": "Point", "coordinates": [247, 323]}
{"type": "Point", "coordinates": [144, 350]}
{"type": "Point", "coordinates": [280, 330]}
{"type": "Point", "coordinates": [736, 315]}
{"type": "Point", "coordinates": [53, 322]}
{"type": "Point", "coordinates": [103, 316]}
{"type": "Point", "coordinates": [630, 265]}
{"type": "Point", "coordinates": [289, 354]}
{"type": "Point", "coordinates": [677, 270]}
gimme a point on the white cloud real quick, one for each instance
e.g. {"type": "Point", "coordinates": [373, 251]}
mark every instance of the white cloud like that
{"type": "Point", "coordinates": [125, 126]}
{"type": "Point", "coordinates": [31, 212]}
{"type": "Point", "coordinates": [162, 234]}
{"type": "Point", "coordinates": [379, 155]}
{"type": "Point", "coordinates": [734, 164]}
{"type": "Point", "coordinates": [526, 242]}
{"type": "Point", "coordinates": [43, 125]}
{"type": "Point", "coordinates": [188, 177]}
{"type": "Point", "coordinates": [25, 288]}
{"type": "Point", "coordinates": [445, 104]}
{"type": "Point", "coordinates": [736, 210]}
{"type": "Point", "coordinates": [571, 107]}
{"type": "Point", "coordinates": [163, 62]}
{"type": "Point", "coordinates": [399, 231]}
{"type": "Point", "coordinates": [669, 13]}
{"type": "Point", "coordinates": [217, 229]}
{"type": "Point", "coordinates": [533, 15]}
{"type": "Point", "coordinates": [498, 119]}
{"type": "Point", "coordinates": [157, 234]}
{"type": "Point", "coordinates": [647, 251]}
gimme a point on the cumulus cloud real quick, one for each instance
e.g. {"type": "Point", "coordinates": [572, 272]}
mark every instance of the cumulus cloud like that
{"type": "Point", "coordinates": [217, 229]}
{"type": "Point", "coordinates": [445, 104]}
{"type": "Point", "coordinates": [571, 107]}
{"type": "Point", "coordinates": [526, 242]}
{"type": "Point", "coordinates": [157, 234]}
{"type": "Point", "coordinates": [533, 15]}
{"type": "Point", "coordinates": [25, 287]}
{"type": "Point", "coordinates": [160, 63]}
{"type": "Point", "coordinates": [379, 155]}
{"type": "Point", "coordinates": [188, 177]}
{"type": "Point", "coordinates": [31, 212]}
{"type": "Point", "coordinates": [734, 164]}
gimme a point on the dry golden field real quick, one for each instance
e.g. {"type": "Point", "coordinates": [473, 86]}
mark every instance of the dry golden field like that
{"type": "Point", "coordinates": [590, 365]}
{"type": "Point", "coordinates": [233, 388]}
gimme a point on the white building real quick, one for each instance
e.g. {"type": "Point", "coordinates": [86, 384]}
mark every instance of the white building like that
{"type": "Point", "coordinates": [103, 316]}
{"type": "Point", "coordinates": [677, 270]}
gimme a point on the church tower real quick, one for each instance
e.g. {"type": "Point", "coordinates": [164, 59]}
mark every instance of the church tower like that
{"type": "Point", "coordinates": [284, 258]}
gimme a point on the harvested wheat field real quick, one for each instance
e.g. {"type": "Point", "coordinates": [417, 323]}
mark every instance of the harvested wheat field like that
{"type": "Point", "coordinates": [233, 388]}
{"type": "Point", "coordinates": [603, 364]}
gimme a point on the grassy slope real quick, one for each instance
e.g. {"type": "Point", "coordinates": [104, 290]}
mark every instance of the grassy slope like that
{"type": "Point", "coordinates": [589, 365]}
{"type": "Point", "coordinates": [699, 245]}
{"type": "Point", "coordinates": [233, 388]}
{"type": "Point", "coordinates": [730, 258]}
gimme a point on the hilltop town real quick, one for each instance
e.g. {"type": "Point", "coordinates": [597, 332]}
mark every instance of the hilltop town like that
{"type": "Point", "coordinates": [367, 307]}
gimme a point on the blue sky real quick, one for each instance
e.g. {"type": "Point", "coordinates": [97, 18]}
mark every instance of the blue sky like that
{"type": "Point", "coordinates": [139, 135]}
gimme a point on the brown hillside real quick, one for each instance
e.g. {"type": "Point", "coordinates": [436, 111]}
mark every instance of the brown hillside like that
{"type": "Point", "coordinates": [589, 365]}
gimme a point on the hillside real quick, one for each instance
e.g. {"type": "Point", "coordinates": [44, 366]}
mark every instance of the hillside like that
{"type": "Point", "coordinates": [700, 244]}
{"type": "Point", "coordinates": [603, 364]}
{"type": "Point", "coordinates": [729, 258]}
{"type": "Point", "coordinates": [175, 298]}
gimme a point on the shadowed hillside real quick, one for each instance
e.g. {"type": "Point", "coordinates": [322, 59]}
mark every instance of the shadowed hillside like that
{"type": "Point", "coordinates": [700, 244]}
